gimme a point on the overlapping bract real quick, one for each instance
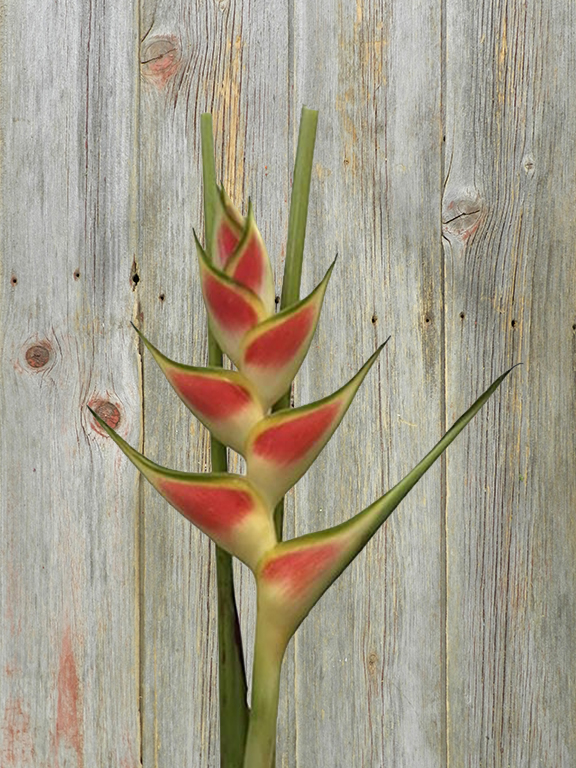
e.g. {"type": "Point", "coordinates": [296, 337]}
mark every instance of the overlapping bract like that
{"type": "Point", "coordinates": [267, 349]}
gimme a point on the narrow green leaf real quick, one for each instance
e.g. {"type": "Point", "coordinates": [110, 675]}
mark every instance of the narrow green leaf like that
{"type": "Point", "coordinates": [296, 238]}
{"type": "Point", "coordinates": [299, 207]}
{"type": "Point", "coordinates": [233, 688]}
{"type": "Point", "coordinates": [210, 188]}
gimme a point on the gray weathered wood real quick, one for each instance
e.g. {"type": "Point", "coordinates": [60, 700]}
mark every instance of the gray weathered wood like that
{"type": "Point", "coordinates": [511, 296]}
{"type": "Point", "coordinates": [370, 658]}
{"type": "Point", "coordinates": [68, 574]}
{"type": "Point", "coordinates": [448, 642]}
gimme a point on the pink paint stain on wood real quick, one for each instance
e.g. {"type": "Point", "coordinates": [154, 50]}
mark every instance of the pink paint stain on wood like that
{"type": "Point", "coordinates": [17, 744]}
{"type": "Point", "coordinates": [161, 57]}
{"type": "Point", "coordinates": [68, 717]}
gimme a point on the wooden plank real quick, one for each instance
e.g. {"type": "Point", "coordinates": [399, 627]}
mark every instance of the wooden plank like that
{"type": "Point", "coordinates": [511, 296]}
{"type": "Point", "coordinates": [229, 59]}
{"type": "Point", "coordinates": [369, 685]}
{"type": "Point", "coordinates": [68, 562]}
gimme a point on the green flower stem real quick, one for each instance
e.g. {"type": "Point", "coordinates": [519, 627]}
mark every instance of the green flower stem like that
{"type": "Point", "coordinates": [295, 242]}
{"type": "Point", "coordinates": [234, 713]}
{"type": "Point", "coordinates": [268, 655]}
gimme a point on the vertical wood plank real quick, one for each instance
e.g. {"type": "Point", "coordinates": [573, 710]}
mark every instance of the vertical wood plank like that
{"type": "Point", "coordinates": [68, 562]}
{"type": "Point", "coordinates": [228, 58]}
{"type": "Point", "coordinates": [511, 296]}
{"type": "Point", "coordinates": [370, 657]}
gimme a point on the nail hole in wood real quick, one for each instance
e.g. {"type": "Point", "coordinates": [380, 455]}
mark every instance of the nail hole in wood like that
{"type": "Point", "coordinates": [374, 319]}
{"type": "Point", "coordinates": [462, 315]}
{"type": "Point", "coordinates": [14, 280]}
{"type": "Point", "coordinates": [277, 300]}
{"type": "Point", "coordinates": [427, 319]}
{"type": "Point", "coordinates": [161, 297]}
{"type": "Point", "coordinates": [513, 323]}
{"type": "Point", "coordinates": [76, 274]}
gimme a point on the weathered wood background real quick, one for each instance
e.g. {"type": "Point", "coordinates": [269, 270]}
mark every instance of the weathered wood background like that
{"type": "Point", "coordinates": [445, 177]}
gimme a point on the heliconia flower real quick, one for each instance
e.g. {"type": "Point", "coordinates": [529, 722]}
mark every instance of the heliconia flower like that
{"type": "Point", "coordinates": [225, 507]}
{"type": "Point", "coordinates": [293, 576]}
{"type": "Point", "coordinates": [237, 512]}
{"type": "Point", "coordinates": [224, 401]}
{"type": "Point", "coordinates": [281, 447]}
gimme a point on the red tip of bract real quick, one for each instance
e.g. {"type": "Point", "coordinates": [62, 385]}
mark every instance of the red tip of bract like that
{"type": "Point", "coordinates": [225, 508]}
{"type": "Point", "coordinates": [273, 352]}
{"type": "Point", "coordinates": [228, 226]}
{"type": "Point", "coordinates": [250, 265]}
{"type": "Point", "coordinates": [296, 572]}
{"type": "Point", "coordinates": [216, 399]}
{"type": "Point", "coordinates": [228, 306]}
{"type": "Point", "coordinates": [249, 270]}
{"type": "Point", "coordinates": [213, 509]}
{"type": "Point", "coordinates": [282, 447]}
{"type": "Point", "coordinates": [277, 345]}
{"type": "Point", "coordinates": [223, 401]}
{"type": "Point", "coordinates": [232, 309]}
{"type": "Point", "coordinates": [227, 239]}
{"type": "Point", "coordinates": [293, 577]}
{"type": "Point", "coordinates": [289, 442]}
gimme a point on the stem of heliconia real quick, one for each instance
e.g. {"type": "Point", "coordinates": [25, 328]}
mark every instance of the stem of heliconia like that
{"type": "Point", "coordinates": [231, 672]}
{"type": "Point", "coordinates": [261, 741]}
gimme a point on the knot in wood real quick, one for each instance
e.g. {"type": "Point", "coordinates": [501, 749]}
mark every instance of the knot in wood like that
{"type": "Point", "coordinates": [462, 215]}
{"type": "Point", "coordinates": [38, 355]}
{"type": "Point", "coordinates": [108, 412]}
{"type": "Point", "coordinates": [160, 59]}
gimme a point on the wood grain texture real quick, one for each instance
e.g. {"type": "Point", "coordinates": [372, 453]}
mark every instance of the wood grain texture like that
{"type": "Point", "coordinates": [448, 643]}
{"type": "Point", "coordinates": [68, 575]}
{"type": "Point", "coordinates": [511, 296]}
{"type": "Point", "coordinates": [369, 659]}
